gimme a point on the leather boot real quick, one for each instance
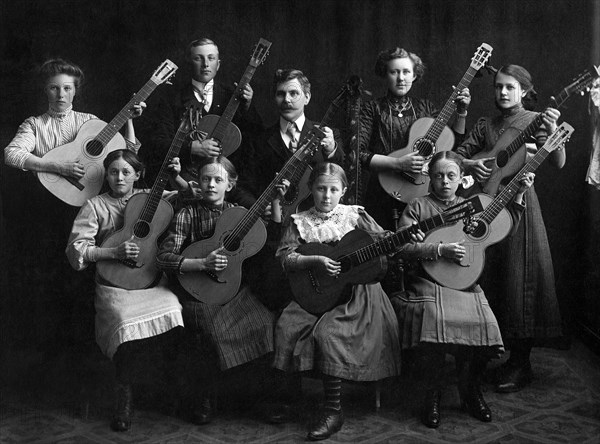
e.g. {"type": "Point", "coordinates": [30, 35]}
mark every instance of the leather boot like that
{"type": "Point", "coordinates": [121, 420]}
{"type": "Point", "coordinates": [474, 403]}
{"type": "Point", "coordinates": [431, 409]}
{"type": "Point", "coordinates": [329, 422]}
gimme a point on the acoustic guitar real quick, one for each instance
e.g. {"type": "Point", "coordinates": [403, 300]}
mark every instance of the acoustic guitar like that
{"type": "Point", "coordinates": [92, 144]}
{"type": "Point", "coordinates": [220, 127]}
{"type": "Point", "coordinates": [298, 193]}
{"type": "Point", "coordinates": [147, 216]}
{"type": "Point", "coordinates": [487, 228]}
{"type": "Point", "coordinates": [428, 136]}
{"type": "Point", "coordinates": [363, 259]}
{"type": "Point", "coordinates": [509, 152]}
{"type": "Point", "coordinates": [241, 234]}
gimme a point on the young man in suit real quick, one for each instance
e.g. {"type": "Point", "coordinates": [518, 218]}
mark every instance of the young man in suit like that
{"type": "Point", "coordinates": [209, 96]}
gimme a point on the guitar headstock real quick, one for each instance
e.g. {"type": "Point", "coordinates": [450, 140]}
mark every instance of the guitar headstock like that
{"type": "Point", "coordinates": [354, 86]}
{"type": "Point", "coordinates": [164, 72]}
{"type": "Point", "coordinates": [582, 83]}
{"type": "Point", "coordinates": [310, 143]}
{"type": "Point", "coordinates": [558, 137]}
{"type": "Point", "coordinates": [260, 52]}
{"type": "Point", "coordinates": [464, 209]}
{"type": "Point", "coordinates": [481, 56]}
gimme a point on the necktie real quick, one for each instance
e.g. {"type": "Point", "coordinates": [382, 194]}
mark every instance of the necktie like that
{"type": "Point", "coordinates": [203, 99]}
{"type": "Point", "coordinates": [292, 131]}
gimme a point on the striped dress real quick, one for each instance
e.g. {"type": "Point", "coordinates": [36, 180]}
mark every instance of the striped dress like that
{"type": "Point", "coordinates": [239, 331]}
{"type": "Point", "coordinates": [38, 135]}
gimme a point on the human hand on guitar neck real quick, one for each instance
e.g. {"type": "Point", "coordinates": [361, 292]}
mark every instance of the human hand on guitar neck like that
{"type": "Point", "coordinates": [246, 95]}
{"type": "Point", "coordinates": [525, 183]}
{"type": "Point", "coordinates": [273, 210]}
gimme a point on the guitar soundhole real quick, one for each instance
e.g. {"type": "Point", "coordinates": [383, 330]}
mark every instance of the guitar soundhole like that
{"type": "Point", "coordinates": [424, 147]}
{"type": "Point", "coordinates": [346, 265]}
{"type": "Point", "coordinates": [232, 243]}
{"type": "Point", "coordinates": [94, 148]}
{"type": "Point", "coordinates": [141, 229]}
{"type": "Point", "coordinates": [479, 230]}
{"type": "Point", "coordinates": [502, 158]}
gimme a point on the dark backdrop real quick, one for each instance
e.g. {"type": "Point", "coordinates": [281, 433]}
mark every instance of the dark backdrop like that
{"type": "Point", "coordinates": [120, 43]}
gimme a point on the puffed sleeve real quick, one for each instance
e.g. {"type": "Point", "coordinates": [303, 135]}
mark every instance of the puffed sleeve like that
{"type": "Point", "coordinates": [82, 240]}
{"type": "Point", "coordinates": [22, 146]}
{"type": "Point", "coordinates": [475, 141]}
{"type": "Point", "coordinates": [367, 223]}
{"type": "Point", "coordinates": [413, 213]}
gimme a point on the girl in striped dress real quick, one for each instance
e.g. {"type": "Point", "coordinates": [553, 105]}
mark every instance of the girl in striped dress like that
{"type": "Point", "coordinates": [220, 337]}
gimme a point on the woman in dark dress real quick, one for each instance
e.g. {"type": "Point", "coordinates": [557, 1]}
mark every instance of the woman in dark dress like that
{"type": "Point", "coordinates": [519, 276]}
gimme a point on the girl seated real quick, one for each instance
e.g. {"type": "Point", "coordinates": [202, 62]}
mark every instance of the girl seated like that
{"type": "Point", "coordinates": [437, 320]}
{"type": "Point", "coordinates": [358, 339]}
{"type": "Point", "coordinates": [128, 322]}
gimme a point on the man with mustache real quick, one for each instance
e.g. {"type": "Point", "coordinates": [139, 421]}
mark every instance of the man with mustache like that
{"type": "Point", "coordinates": [274, 146]}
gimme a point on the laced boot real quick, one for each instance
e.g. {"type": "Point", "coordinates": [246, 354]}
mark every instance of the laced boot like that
{"type": "Point", "coordinates": [121, 420]}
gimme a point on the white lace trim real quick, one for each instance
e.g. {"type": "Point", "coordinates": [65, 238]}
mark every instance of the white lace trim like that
{"type": "Point", "coordinates": [315, 226]}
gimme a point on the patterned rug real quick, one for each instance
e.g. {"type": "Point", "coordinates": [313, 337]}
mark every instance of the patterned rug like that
{"type": "Point", "coordinates": [561, 405]}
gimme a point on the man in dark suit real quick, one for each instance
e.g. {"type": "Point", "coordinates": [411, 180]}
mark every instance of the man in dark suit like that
{"type": "Point", "coordinates": [274, 146]}
{"type": "Point", "coordinates": [209, 96]}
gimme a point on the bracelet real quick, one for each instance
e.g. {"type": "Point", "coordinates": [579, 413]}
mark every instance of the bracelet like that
{"type": "Point", "coordinates": [439, 249]}
{"type": "Point", "coordinates": [464, 114]}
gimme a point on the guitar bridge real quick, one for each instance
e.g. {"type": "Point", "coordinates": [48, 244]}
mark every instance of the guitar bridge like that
{"type": "Point", "coordinates": [314, 282]}
{"type": "Point", "coordinates": [214, 277]}
{"type": "Point", "coordinates": [130, 263]}
{"type": "Point", "coordinates": [411, 178]}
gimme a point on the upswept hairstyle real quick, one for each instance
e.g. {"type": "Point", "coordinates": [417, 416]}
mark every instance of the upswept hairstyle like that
{"type": "Point", "coordinates": [53, 67]}
{"type": "Point", "coordinates": [128, 156]}
{"type": "Point", "coordinates": [384, 57]}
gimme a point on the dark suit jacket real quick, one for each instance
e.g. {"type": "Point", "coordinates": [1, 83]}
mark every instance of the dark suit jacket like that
{"type": "Point", "coordinates": [161, 120]}
{"type": "Point", "coordinates": [268, 153]}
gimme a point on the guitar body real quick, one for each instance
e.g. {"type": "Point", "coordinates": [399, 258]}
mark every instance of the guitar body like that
{"type": "Point", "coordinates": [77, 192]}
{"type": "Point", "coordinates": [232, 137]}
{"type": "Point", "coordinates": [297, 198]}
{"type": "Point", "coordinates": [407, 186]}
{"type": "Point", "coordinates": [318, 292]}
{"type": "Point", "coordinates": [141, 273]}
{"type": "Point", "coordinates": [503, 166]}
{"type": "Point", "coordinates": [464, 274]}
{"type": "Point", "coordinates": [219, 287]}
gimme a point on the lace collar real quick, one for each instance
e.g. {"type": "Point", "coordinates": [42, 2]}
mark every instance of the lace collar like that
{"type": "Point", "coordinates": [315, 226]}
{"type": "Point", "coordinates": [60, 114]}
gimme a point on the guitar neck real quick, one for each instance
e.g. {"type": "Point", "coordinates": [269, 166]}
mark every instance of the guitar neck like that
{"type": "Point", "coordinates": [446, 113]}
{"type": "Point", "coordinates": [232, 107]}
{"type": "Point", "coordinates": [391, 243]}
{"type": "Point", "coordinates": [293, 164]}
{"type": "Point", "coordinates": [163, 177]}
{"type": "Point", "coordinates": [109, 131]}
{"type": "Point", "coordinates": [506, 195]}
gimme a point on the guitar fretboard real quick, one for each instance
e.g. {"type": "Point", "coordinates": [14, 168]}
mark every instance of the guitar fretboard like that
{"type": "Point", "coordinates": [505, 196]}
{"type": "Point", "coordinates": [111, 129]}
{"type": "Point", "coordinates": [393, 242]}
{"type": "Point", "coordinates": [162, 179]}
{"type": "Point", "coordinates": [257, 210]}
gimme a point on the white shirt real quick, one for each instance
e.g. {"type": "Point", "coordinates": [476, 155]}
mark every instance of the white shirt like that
{"type": "Point", "coordinates": [283, 126]}
{"type": "Point", "coordinates": [208, 92]}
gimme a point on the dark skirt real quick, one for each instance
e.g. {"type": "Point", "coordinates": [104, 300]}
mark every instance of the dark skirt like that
{"type": "Point", "coordinates": [357, 341]}
{"type": "Point", "coordinates": [519, 279]}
